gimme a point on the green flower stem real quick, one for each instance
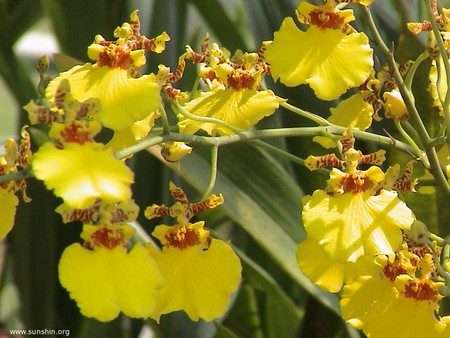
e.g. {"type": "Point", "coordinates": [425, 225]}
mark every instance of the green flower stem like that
{"type": "Point", "coordinates": [164, 120]}
{"type": "Point", "coordinates": [439, 240]}
{"type": "Point", "coordinates": [444, 55]}
{"type": "Point", "coordinates": [435, 167]}
{"type": "Point", "coordinates": [204, 119]}
{"type": "Point", "coordinates": [417, 151]}
{"type": "Point", "coordinates": [19, 175]}
{"type": "Point", "coordinates": [311, 116]}
{"type": "Point", "coordinates": [260, 134]}
{"type": "Point", "coordinates": [439, 267]}
{"type": "Point", "coordinates": [255, 135]}
{"type": "Point", "coordinates": [412, 71]}
{"type": "Point", "coordinates": [213, 174]}
{"type": "Point", "coordinates": [446, 251]}
{"type": "Point", "coordinates": [410, 130]}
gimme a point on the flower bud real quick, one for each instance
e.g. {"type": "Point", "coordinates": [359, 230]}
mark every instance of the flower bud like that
{"type": "Point", "coordinates": [418, 233]}
{"type": "Point", "coordinates": [43, 64]}
{"type": "Point", "coordinates": [394, 106]}
{"type": "Point", "coordinates": [175, 151]}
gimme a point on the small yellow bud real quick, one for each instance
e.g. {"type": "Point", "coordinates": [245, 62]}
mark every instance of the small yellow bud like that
{"type": "Point", "coordinates": [418, 233]}
{"type": "Point", "coordinates": [394, 106]}
{"type": "Point", "coordinates": [43, 64]}
{"type": "Point", "coordinates": [175, 151]}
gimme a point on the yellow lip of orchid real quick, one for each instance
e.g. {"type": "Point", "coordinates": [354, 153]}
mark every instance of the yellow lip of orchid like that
{"type": "Point", "coordinates": [326, 58]}
{"type": "Point", "coordinates": [124, 100]}
{"type": "Point", "coordinates": [353, 112]}
{"type": "Point", "coordinates": [200, 272]}
{"type": "Point", "coordinates": [240, 109]}
{"type": "Point", "coordinates": [98, 175]}
{"type": "Point", "coordinates": [104, 279]}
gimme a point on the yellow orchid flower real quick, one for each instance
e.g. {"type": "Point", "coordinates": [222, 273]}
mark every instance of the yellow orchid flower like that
{"type": "Point", "coordinates": [234, 95]}
{"type": "Point", "coordinates": [125, 96]}
{"type": "Point", "coordinates": [82, 173]}
{"type": "Point", "coordinates": [200, 272]}
{"type": "Point", "coordinates": [105, 279]}
{"type": "Point", "coordinates": [398, 298]}
{"type": "Point", "coordinates": [324, 56]}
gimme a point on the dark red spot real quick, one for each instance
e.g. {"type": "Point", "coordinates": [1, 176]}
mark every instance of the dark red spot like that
{"type": "Point", "coordinates": [115, 59]}
{"type": "Point", "coordinates": [76, 132]}
{"type": "Point", "coordinates": [182, 238]}
{"type": "Point", "coordinates": [325, 19]}
{"type": "Point", "coordinates": [392, 270]}
{"type": "Point", "coordinates": [420, 289]}
{"type": "Point", "coordinates": [239, 81]}
{"type": "Point", "coordinates": [356, 183]}
{"type": "Point", "coordinates": [108, 237]}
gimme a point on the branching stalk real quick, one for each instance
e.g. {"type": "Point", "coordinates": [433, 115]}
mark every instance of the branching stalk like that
{"type": "Point", "coordinates": [435, 167]}
{"type": "Point", "coordinates": [311, 116]}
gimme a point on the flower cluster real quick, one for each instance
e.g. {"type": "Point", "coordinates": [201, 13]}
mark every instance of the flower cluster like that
{"type": "Point", "coordinates": [362, 239]}
{"type": "Point", "coordinates": [104, 277]}
{"type": "Point", "coordinates": [16, 157]}
{"type": "Point", "coordinates": [105, 274]}
{"type": "Point", "coordinates": [402, 291]}
{"type": "Point", "coordinates": [363, 242]}
{"type": "Point", "coordinates": [200, 272]}
{"type": "Point", "coordinates": [234, 99]}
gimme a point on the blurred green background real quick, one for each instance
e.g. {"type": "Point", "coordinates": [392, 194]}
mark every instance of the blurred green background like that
{"type": "Point", "coordinates": [261, 214]}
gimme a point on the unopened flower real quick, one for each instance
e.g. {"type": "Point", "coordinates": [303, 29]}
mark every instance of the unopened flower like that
{"type": "Point", "coordinates": [438, 84]}
{"type": "Point", "coordinates": [394, 106]}
{"type": "Point", "coordinates": [175, 151]}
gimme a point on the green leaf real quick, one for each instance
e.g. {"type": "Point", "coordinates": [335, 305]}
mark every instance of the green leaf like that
{"type": "Point", "coordinates": [65, 62]}
{"type": "Point", "coordinates": [282, 317]}
{"type": "Point", "coordinates": [76, 23]}
{"type": "Point", "coordinates": [34, 246]}
{"type": "Point", "coordinates": [18, 16]}
{"type": "Point", "coordinates": [222, 26]}
{"type": "Point", "coordinates": [244, 319]}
